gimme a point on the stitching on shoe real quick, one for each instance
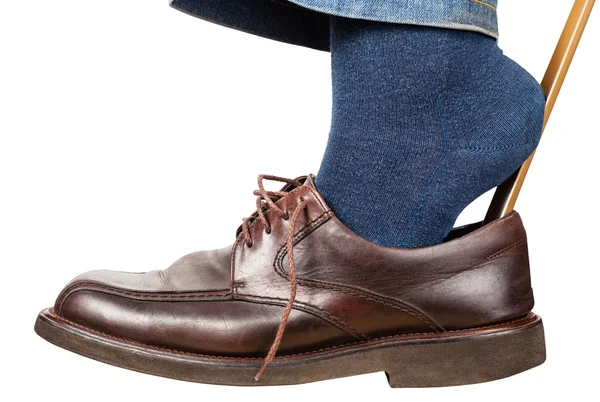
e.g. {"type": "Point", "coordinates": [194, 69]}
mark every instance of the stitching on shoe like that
{"type": "Point", "coordinates": [327, 317]}
{"type": "Point", "coordinates": [92, 286]}
{"type": "Point", "coordinates": [234, 286]}
{"type": "Point", "coordinates": [282, 252]}
{"type": "Point", "coordinates": [283, 357]}
{"type": "Point", "coordinates": [228, 296]}
{"type": "Point", "coordinates": [506, 249]}
{"type": "Point", "coordinates": [144, 295]}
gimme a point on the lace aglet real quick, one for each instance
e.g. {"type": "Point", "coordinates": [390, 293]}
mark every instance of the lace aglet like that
{"type": "Point", "coordinates": [260, 372]}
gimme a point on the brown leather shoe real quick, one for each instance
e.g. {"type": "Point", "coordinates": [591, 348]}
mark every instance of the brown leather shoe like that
{"type": "Point", "coordinates": [300, 295]}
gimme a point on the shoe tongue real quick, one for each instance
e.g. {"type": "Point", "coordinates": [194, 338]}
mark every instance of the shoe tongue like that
{"type": "Point", "coordinates": [310, 181]}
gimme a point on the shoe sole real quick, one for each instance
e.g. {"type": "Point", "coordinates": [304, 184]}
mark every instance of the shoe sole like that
{"type": "Point", "coordinates": [416, 360]}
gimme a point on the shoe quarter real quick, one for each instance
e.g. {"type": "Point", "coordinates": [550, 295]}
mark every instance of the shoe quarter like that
{"type": "Point", "coordinates": [471, 281]}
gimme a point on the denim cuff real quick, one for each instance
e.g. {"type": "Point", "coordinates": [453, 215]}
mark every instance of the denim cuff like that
{"type": "Point", "coordinates": [470, 15]}
{"type": "Point", "coordinates": [306, 22]}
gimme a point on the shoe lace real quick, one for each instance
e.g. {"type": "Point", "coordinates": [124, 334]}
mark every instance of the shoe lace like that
{"type": "Point", "coordinates": [267, 200]}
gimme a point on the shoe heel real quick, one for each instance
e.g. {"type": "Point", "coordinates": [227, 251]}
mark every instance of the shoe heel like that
{"type": "Point", "coordinates": [473, 360]}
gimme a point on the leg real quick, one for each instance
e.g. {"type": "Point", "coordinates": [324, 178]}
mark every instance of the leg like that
{"type": "Point", "coordinates": [424, 121]}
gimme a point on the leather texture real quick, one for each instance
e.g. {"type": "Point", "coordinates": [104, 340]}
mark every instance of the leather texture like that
{"type": "Point", "coordinates": [229, 302]}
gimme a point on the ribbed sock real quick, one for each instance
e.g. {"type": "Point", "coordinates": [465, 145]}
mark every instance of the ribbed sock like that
{"type": "Point", "coordinates": [424, 121]}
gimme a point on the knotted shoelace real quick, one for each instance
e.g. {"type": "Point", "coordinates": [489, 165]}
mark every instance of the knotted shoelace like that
{"type": "Point", "coordinates": [266, 200]}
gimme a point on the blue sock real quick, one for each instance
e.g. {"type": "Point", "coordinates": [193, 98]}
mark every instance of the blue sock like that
{"type": "Point", "coordinates": [424, 121]}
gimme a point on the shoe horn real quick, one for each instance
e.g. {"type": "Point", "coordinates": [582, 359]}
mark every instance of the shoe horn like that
{"type": "Point", "coordinates": [507, 193]}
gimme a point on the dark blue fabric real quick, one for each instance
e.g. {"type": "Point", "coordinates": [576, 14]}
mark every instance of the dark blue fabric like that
{"type": "Point", "coordinates": [424, 121]}
{"type": "Point", "coordinates": [273, 19]}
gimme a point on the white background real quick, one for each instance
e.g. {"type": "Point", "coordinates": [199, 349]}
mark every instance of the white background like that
{"type": "Point", "coordinates": [131, 134]}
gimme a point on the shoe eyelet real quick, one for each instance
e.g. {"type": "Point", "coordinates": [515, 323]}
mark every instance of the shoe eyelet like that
{"type": "Point", "coordinates": [249, 245]}
{"type": "Point", "coordinates": [268, 231]}
{"type": "Point", "coordinates": [286, 215]}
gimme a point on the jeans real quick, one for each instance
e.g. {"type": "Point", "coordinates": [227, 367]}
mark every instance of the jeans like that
{"type": "Point", "coordinates": [306, 22]}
